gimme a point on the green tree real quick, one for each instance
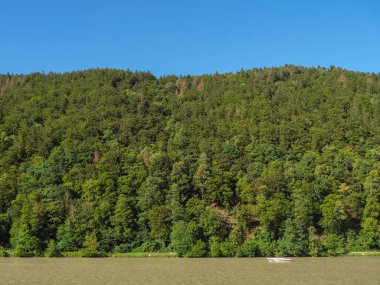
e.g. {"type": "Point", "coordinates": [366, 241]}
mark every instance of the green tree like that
{"type": "Point", "coordinates": [183, 237]}
{"type": "Point", "coordinates": [52, 250]}
{"type": "Point", "coordinates": [91, 246]}
{"type": "Point", "coordinates": [334, 214]}
{"type": "Point", "coordinates": [294, 242]}
{"type": "Point", "coordinates": [124, 220]}
{"type": "Point", "coordinates": [23, 242]}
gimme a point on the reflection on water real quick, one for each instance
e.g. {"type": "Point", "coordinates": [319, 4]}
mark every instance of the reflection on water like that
{"type": "Point", "coordinates": [41, 271]}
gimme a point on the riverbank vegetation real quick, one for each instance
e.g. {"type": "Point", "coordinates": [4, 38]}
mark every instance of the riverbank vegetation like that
{"type": "Point", "coordinates": [269, 161]}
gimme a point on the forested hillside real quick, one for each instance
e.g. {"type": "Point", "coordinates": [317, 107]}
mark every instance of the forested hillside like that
{"type": "Point", "coordinates": [266, 161]}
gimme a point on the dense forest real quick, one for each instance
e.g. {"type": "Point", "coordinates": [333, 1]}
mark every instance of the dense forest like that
{"type": "Point", "coordinates": [273, 161]}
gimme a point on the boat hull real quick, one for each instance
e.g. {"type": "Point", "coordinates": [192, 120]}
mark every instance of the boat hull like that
{"type": "Point", "coordinates": [279, 259]}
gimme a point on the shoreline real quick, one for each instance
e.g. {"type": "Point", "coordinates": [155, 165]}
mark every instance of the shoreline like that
{"type": "Point", "coordinates": [174, 255]}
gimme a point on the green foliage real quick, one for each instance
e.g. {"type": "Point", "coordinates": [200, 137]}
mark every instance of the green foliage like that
{"type": "Point", "coordinates": [197, 250]}
{"type": "Point", "coordinates": [72, 254]}
{"type": "Point", "coordinates": [4, 229]}
{"type": "Point", "coordinates": [183, 237]}
{"type": "Point", "coordinates": [235, 240]}
{"type": "Point", "coordinates": [215, 247]}
{"type": "Point", "coordinates": [354, 244]}
{"type": "Point", "coordinates": [262, 162]}
{"type": "Point", "coordinates": [145, 254]}
{"type": "Point", "coordinates": [124, 220]}
{"type": "Point", "coordinates": [158, 223]}
{"type": "Point", "coordinates": [334, 214]}
{"type": "Point", "coordinates": [265, 244]}
{"type": "Point", "coordinates": [91, 246]}
{"type": "Point", "coordinates": [271, 210]}
{"type": "Point", "coordinates": [334, 244]}
{"type": "Point", "coordinates": [248, 249]}
{"type": "Point", "coordinates": [3, 252]}
{"type": "Point", "coordinates": [52, 250]}
{"type": "Point", "coordinates": [315, 246]}
{"type": "Point", "coordinates": [23, 242]}
{"type": "Point", "coordinates": [294, 242]}
{"type": "Point", "coordinates": [370, 233]}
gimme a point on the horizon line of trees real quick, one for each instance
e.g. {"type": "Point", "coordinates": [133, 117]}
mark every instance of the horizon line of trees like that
{"type": "Point", "coordinates": [274, 161]}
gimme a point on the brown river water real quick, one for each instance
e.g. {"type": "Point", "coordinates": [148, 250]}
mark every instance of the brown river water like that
{"type": "Point", "coordinates": [57, 271]}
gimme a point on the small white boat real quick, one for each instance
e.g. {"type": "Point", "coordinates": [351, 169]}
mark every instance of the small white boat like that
{"type": "Point", "coordinates": [278, 259]}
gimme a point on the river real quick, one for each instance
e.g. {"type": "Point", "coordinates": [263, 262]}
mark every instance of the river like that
{"type": "Point", "coordinates": [57, 271]}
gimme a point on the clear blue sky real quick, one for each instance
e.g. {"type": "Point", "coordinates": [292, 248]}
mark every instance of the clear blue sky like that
{"type": "Point", "coordinates": [188, 37]}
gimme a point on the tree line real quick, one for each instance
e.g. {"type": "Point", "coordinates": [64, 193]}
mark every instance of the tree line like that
{"type": "Point", "coordinates": [261, 162]}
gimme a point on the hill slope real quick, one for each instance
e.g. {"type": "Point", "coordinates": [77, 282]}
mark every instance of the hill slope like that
{"type": "Point", "coordinates": [266, 161]}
